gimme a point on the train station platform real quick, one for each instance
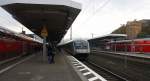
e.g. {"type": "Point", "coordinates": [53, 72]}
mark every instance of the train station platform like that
{"type": "Point", "coordinates": [34, 69]}
{"type": "Point", "coordinates": [65, 68]}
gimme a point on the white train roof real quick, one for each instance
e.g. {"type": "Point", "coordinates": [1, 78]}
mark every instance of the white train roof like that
{"type": "Point", "coordinates": [6, 30]}
{"type": "Point", "coordinates": [22, 36]}
{"type": "Point", "coordinates": [71, 41]}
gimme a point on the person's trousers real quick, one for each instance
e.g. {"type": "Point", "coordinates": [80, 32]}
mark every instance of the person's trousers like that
{"type": "Point", "coordinates": [49, 59]}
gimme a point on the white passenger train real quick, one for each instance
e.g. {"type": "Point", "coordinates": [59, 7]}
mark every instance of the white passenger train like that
{"type": "Point", "coordinates": [78, 48]}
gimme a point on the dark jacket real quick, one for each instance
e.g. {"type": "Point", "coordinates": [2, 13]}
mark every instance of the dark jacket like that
{"type": "Point", "coordinates": [49, 50]}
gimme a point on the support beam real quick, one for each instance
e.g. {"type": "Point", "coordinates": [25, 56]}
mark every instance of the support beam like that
{"type": "Point", "coordinates": [44, 50]}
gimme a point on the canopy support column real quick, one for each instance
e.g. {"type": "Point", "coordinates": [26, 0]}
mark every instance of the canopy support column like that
{"type": "Point", "coordinates": [44, 49]}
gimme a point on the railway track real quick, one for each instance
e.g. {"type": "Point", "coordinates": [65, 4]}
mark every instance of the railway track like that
{"type": "Point", "coordinates": [108, 75]}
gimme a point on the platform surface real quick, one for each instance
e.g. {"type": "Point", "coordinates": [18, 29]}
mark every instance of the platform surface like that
{"type": "Point", "coordinates": [34, 69]}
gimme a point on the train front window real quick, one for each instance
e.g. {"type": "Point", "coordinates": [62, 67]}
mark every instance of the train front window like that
{"type": "Point", "coordinates": [81, 45]}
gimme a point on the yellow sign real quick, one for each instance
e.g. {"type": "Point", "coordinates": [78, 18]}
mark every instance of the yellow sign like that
{"type": "Point", "coordinates": [44, 32]}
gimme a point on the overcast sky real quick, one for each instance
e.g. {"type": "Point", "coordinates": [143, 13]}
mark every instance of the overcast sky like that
{"type": "Point", "coordinates": [7, 21]}
{"type": "Point", "coordinates": [99, 17]}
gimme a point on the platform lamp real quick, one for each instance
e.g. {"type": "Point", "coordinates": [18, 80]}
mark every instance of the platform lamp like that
{"type": "Point", "coordinates": [132, 39]}
{"type": "Point", "coordinates": [23, 50]}
{"type": "Point", "coordinates": [71, 33]}
{"type": "Point", "coordinates": [92, 43]}
{"type": "Point", "coordinates": [92, 34]}
{"type": "Point", "coordinates": [125, 57]}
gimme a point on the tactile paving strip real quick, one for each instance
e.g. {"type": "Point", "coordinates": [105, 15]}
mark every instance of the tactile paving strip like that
{"type": "Point", "coordinates": [85, 71]}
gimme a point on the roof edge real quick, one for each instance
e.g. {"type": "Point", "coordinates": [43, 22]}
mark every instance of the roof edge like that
{"type": "Point", "coordinates": [47, 2]}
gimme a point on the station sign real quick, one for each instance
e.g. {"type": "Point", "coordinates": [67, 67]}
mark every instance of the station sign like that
{"type": "Point", "coordinates": [44, 32]}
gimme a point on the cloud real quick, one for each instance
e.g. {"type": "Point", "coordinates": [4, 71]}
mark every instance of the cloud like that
{"type": "Point", "coordinates": [103, 20]}
{"type": "Point", "coordinates": [7, 21]}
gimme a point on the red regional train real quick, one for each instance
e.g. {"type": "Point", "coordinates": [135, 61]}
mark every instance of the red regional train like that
{"type": "Point", "coordinates": [15, 45]}
{"type": "Point", "coordinates": [136, 45]}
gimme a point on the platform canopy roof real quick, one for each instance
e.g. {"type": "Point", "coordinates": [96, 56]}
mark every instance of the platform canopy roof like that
{"type": "Point", "coordinates": [108, 37]}
{"type": "Point", "coordinates": [56, 15]}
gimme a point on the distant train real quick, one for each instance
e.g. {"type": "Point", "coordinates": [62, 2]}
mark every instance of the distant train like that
{"type": "Point", "coordinates": [136, 45]}
{"type": "Point", "coordinates": [14, 45]}
{"type": "Point", "coordinates": [78, 48]}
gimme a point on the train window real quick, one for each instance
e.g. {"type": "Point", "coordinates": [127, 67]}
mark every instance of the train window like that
{"type": "Point", "coordinates": [2, 35]}
{"type": "Point", "coordinates": [81, 45]}
{"type": "Point", "coordinates": [5, 36]}
{"type": "Point", "coordinates": [84, 44]}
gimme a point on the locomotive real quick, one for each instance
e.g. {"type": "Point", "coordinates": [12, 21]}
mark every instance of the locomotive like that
{"type": "Point", "coordinates": [78, 48]}
{"type": "Point", "coordinates": [14, 45]}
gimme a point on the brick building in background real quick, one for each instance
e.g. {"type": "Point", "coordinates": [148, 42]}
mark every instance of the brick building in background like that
{"type": "Point", "coordinates": [135, 29]}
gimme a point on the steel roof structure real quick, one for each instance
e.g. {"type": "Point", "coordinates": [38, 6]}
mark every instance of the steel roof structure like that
{"type": "Point", "coordinates": [56, 15]}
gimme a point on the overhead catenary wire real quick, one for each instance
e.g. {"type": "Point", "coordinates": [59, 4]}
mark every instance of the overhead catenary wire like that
{"type": "Point", "coordinates": [11, 21]}
{"type": "Point", "coordinates": [93, 12]}
{"type": "Point", "coordinates": [96, 11]}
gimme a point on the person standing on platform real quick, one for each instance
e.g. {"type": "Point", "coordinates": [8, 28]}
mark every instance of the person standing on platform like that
{"type": "Point", "coordinates": [53, 54]}
{"type": "Point", "coordinates": [49, 53]}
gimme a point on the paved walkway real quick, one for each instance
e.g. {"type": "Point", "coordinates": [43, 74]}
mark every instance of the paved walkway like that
{"type": "Point", "coordinates": [35, 70]}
